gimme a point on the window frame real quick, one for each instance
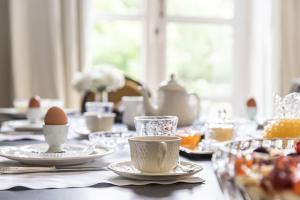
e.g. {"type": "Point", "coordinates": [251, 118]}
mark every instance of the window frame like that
{"type": "Point", "coordinates": [154, 21]}
{"type": "Point", "coordinates": [240, 61]}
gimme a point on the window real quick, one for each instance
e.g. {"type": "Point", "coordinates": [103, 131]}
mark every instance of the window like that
{"type": "Point", "coordinates": [117, 32]}
{"type": "Point", "coordinates": [199, 41]}
{"type": "Point", "coordinates": [151, 39]}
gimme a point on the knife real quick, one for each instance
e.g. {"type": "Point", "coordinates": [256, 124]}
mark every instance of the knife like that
{"type": "Point", "coordinates": [26, 170]}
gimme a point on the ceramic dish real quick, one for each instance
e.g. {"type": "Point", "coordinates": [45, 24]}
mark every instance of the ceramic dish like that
{"type": "Point", "coordinates": [35, 154]}
{"type": "Point", "coordinates": [126, 169]}
{"type": "Point", "coordinates": [196, 154]}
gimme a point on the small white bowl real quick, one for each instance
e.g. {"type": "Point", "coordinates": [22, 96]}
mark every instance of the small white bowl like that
{"type": "Point", "coordinates": [95, 122]}
{"type": "Point", "coordinates": [34, 114]}
{"type": "Point", "coordinates": [55, 136]}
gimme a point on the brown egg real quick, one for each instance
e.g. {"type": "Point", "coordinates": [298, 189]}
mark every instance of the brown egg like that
{"type": "Point", "coordinates": [34, 102]}
{"type": "Point", "coordinates": [55, 116]}
{"type": "Point", "coordinates": [251, 102]}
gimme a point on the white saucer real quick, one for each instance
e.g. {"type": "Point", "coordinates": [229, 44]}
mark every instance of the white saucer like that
{"type": "Point", "coordinates": [126, 169]}
{"type": "Point", "coordinates": [35, 154]}
{"type": "Point", "coordinates": [24, 125]}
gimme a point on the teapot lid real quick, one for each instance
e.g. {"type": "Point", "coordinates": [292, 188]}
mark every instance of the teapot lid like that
{"type": "Point", "coordinates": [171, 84]}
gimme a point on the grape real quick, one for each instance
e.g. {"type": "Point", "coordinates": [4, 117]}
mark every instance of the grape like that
{"type": "Point", "coordinates": [297, 147]}
{"type": "Point", "coordinates": [281, 179]}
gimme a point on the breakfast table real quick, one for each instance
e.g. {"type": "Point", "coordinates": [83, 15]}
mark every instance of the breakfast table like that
{"type": "Point", "coordinates": [208, 190]}
{"type": "Point", "coordinates": [57, 185]}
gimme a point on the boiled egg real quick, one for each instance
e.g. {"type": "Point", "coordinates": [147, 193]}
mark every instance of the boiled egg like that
{"type": "Point", "coordinates": [34, 102]}
{"type": "Point", "coordinates": [251, 103]}
{"type": "Point", "coordinates": [56, 116]}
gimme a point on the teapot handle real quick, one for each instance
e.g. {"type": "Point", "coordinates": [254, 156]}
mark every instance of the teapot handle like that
{"type": "Point", "coordinates": [195, 96]}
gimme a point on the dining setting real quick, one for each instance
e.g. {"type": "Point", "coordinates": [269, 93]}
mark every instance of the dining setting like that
{"type": "Point", "coordinates": [149, 99]}
{"type": "Point", "coordinates": [166, 143]}
{"type": "Point", "coordinates": [76, 142]}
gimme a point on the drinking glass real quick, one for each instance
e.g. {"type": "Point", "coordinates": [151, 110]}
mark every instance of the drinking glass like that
{"type": "Point", "coordinates": [220, 131]}
{"type": "Point", "coordinates": [156, 125]}
{"type": "Point", "coordinates": [111, 139]}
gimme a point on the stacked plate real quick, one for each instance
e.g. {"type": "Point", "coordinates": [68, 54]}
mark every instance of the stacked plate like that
{"type": "Point", "coordinates": [34, 154]}
{"type": "Point", "coordinates": [23, 125]}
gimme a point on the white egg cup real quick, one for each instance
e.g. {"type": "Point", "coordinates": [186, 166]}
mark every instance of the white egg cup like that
{"type": "Point", "coordinates": [34, 114]}
{"type": "Point", "coordinates": [252, 111]}
{"type": "Point", "coordinates": [55, 136]}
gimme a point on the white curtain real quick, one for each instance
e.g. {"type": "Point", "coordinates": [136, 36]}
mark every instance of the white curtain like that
{"type": "Point", "coordinates": [48, 47]}
{"type": "Point", "coordinates": [275, 49]}
{"type": "Point", "coordinates": [264, 53]}
{"type": "Point", "coordinates": [290, 43]}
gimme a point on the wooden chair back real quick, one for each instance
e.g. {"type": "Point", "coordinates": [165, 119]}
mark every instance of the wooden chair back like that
{"type": "Point", "coordinates": [131, 88]}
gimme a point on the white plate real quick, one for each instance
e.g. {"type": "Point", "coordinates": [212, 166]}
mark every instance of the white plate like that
{"type": "Point", "coordinates": [35, 154]}
{"type": "Point", "coordinates": [24, 125]}
{"type": "Point", "coordinates": [126, 169]}
{"type": "Point", "coordinates": [20, 113]}
{"type": "Point", "coordinates": [197, 151]}
{"type": "Point", "coordinates": [13, 112]}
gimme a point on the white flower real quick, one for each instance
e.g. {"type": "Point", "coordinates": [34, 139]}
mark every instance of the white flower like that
{"type": "Point", "coordinates": [82, 82]}
{"type": "Point", "coordinates": [99, 78]}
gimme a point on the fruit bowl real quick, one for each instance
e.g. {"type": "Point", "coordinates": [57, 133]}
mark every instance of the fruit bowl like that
{"type": "Point", "coordinates": [259, 169]}
{"type": "Point", "coordinates": [286, 119]}
{"type": "Point", "coordinates": [282, 128]}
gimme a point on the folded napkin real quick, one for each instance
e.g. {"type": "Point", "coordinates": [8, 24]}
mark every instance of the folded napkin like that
{"type": "Point", "coordinates": [78, 179]}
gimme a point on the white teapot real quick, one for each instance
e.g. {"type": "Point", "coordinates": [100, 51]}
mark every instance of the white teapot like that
{"type": "Point", "coordinates": [173, 99]}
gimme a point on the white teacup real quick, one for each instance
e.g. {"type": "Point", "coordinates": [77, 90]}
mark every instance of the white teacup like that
{"type": "Point", "coordinates": [99, 122]}
{"type": "Point", "coordinates": [154, 153]}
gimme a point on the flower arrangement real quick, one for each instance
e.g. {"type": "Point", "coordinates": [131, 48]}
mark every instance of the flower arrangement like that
{"type": "Point", "coordinates": [99, 79]}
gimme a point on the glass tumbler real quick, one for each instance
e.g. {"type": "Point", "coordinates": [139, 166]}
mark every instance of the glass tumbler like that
{"type": "Point", "coordinates": [156, 125]}
{"type": "Point", "coordinates": [220, 132]}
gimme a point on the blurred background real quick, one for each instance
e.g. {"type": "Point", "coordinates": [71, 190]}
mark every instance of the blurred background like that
{"type": "Point", "coordinates": [224, 50]}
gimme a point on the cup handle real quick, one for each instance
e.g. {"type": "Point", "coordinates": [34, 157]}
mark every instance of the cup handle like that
{"type": "Point", "coordinates": [163, 152]}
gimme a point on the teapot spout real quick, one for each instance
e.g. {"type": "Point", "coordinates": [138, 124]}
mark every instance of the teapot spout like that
{"type": "Point", "coordinates": [150, 109]}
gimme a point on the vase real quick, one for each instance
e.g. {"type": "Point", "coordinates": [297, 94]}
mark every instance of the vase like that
{"type": "Point", "coordinates": [102, 96]}
{"type": "Point", "coordinates": [100, 103]}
